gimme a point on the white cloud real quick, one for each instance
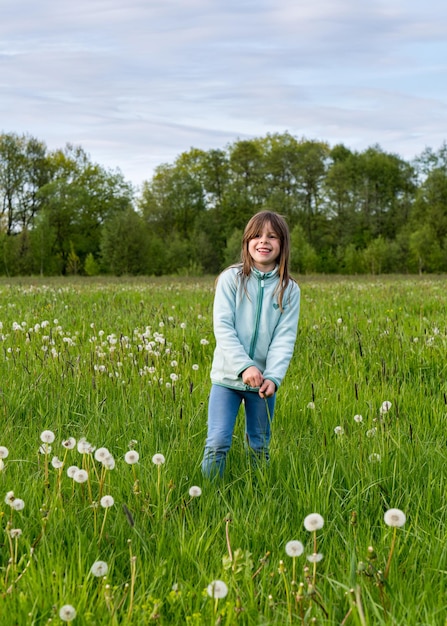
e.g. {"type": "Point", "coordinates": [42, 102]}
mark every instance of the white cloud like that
{"type": "Point", "coordinates": [136, 83]}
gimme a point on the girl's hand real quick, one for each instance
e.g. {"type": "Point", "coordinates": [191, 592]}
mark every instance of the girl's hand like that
{"type": "Point", "coordinates": [267, 389]}
{"type": "Point", "coordinates": [252, 377]}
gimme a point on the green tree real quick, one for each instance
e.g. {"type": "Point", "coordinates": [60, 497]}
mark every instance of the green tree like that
{"type": "Point", "coordinates": [426, 249]}
{"type": "Point", "coordinates": [78, 201]}
{"type": "Point", "coordinates": [303, 258]}
{"type": "Point", "coordinates": [23, 170]}
{"type": "Point", "coordinates": [128, 246]}
{"type": "Point", "coordinates": [91, 266]}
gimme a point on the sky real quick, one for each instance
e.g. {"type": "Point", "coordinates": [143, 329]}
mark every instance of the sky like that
{"type": "Point", "coordinates": [137, 82]}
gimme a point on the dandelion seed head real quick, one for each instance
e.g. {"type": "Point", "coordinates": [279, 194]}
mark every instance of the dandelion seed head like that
{"type": "Point", "coordinates": [131, 457]}
{"type": "Point", "coordinates": [67, 613]}
{"type": "Point", "coordinates": [385, 407]}
{"type": "Point", "coordinates": [18, 504]}
{"type": "Point", "coordinates": [47, 436]}
{"type": "Point", "coordinates": [69, 443]}
{"type": "Point", "coordinates": [314, 521]}
{"type": "Point", "coordinates": [109, 463]}
{"type": "Point", "coordinates": [294, 548]}
{"type": "Point", "coordinates": [56, 462]}
{"type": "Point", "coordinates": [84, 447]}
{"type": "Point", "coordinates": [99, 568]}
{"type": "Point", "coordinates": [71, 471]}
{"type": "Point", "coordinates": [394, 517]}
{"type": "Point", "coordinates": [4, 452]}
{"type": "Point", "coordinates": [9, 498]}
{"type": "Point", "coordinates": [14, 533]}
{"type": "Point", "coordinates": [338, 430]}
{"type": "Point", "coordinates": [217, 589]}
{"type": "Point", "coordinates": [372, 432]}
{"type": "Point", "coordinates": [195, 367]}
{"type": "Point", "coordinates": [311, 405]}
{"type": "Point", "coordinates": [107, 501]}
{"type": "Point", "coordinates": [45, 448]}
{"type": "Point", "coordinates": [158, 459]}
{"type": "Point", "coordinates": [358, 419]}
{"type": "Point", "coordinates": [101, 454]}
{"type": "Point", "coordinates": [316, 557]}
{"type": "Point", "coordinates": [195, 491]}
{"type": "Point", "coordinates": [80, 476]}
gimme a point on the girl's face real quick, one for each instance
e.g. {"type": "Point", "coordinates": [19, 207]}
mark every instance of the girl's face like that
{"type": "Point", "coordinates": [265, 248]}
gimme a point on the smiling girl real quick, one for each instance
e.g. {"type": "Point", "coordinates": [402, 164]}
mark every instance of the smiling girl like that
{"type": "Point", "coordinates": [255, 317]}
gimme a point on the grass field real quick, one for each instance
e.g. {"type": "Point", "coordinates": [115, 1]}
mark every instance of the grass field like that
{"type": "Point", "coordinates": [119, 527]}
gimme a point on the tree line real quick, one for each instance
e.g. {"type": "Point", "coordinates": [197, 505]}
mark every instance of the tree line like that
{"type": "Point", "coordinates": [349, 211]}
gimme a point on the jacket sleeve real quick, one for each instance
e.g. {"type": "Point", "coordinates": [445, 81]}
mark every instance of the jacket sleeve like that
{"type": "Point", "coordinates": [283, 339]}
{"type": "Point", "coordinates": [224, 320]}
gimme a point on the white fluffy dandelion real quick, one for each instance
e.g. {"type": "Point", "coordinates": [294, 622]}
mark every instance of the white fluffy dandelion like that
{"type": "Point", "coordinates": [294, 548]}
{"type": "Point", "coordinates": [69, 443]}
{"type": "Point", "coordinates": [338, 430]}
{"type": "Point", "coordinates": [394, 517]}
{"type": "Point", "coordinates": [195, 491]}
{"type": "Point", "coordinates": [107, 501]}
{"type": "Point", "coordinates": [56, 462]}
{"type": "Point", "coordinates": [316, 557]}
{"type": "Point", "coordinates": [358, 419]}
{"type": "Point", "coordinates": [99, 568]}
{"type": "Point", "coordinates": [158, 459]}
{"type": "Point", "coordinates": [71, 471]}
{"type": "Point", "coordinates": [131, 457]}
{"type": "Point", "coordinates": [14, 533]}
{"type": "Point", "coordinates": [314, 521]}
{"type": "Point", "coordinates": [84, 447]}
{"type": "Point", "coordinates": [386, 406]}
{"type": "Point", "coordinates": [47, 436]}
{"type": "Point", "coordinates": [4, 452]}
{"type": "Point", "coordinates": [67, 613]}
{"type": "Point", "coordinates": [311, 405]}
{"type": "Point", "coordinates": [81, 476]}
{"type": "Point", "coordinates": [18, 504]}
{"type": "Point", "coordinates": [109, 463]}
{"type": "Point", "coordinates": [9, 498]}
{"type": "Point", "coordinates": [217, 589]}
{"type": "Point", "coordinates": [101, 454]}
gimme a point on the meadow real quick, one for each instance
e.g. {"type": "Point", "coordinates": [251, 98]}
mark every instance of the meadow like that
{"type": "Point", "coordinates": [105, 517]}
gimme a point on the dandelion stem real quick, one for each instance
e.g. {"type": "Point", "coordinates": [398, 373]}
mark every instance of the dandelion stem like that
{"type": "Point", "coordinates": [102, 526]}
{"type": "Point", "coordinates": [227, 536]}
{"type": "Point", "coordinates": [390, 556]}
{"type": "Point", "coordinates": [314, 575]}
{"type": "Point", "coordinates": [133, 569]}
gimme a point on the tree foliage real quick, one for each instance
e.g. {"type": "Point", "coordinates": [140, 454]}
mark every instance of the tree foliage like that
{"type": "Point", "coordinates": [348, 211]}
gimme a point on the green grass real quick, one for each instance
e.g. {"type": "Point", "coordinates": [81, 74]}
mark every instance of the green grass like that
{"type": "Point", "coordinates": [125, 363]}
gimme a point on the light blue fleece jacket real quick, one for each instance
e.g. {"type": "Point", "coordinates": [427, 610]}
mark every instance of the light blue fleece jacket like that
{"type": "Point", "coordinates": [250, 328]}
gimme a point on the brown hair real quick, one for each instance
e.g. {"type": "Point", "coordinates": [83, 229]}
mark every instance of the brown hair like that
{"type": "Point", "coordinates": [279, 226]}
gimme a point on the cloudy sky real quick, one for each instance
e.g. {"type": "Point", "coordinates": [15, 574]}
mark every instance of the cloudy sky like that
{"type": "Point", "coordinates": [137, 82]}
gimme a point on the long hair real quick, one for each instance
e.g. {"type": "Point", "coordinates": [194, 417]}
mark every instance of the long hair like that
{"type": "Point", "coordinates": [279, 226]}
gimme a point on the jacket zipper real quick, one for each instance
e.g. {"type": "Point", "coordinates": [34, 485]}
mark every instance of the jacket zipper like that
{"type": "Point", "coordinates": [260, 298]}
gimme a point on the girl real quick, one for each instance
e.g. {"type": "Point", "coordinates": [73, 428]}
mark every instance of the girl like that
{"type": "Point", "coordinates": [256, 310]}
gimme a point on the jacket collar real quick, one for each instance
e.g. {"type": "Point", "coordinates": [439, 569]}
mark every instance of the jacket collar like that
{"type": "Point", "coordinates": [264, 275]}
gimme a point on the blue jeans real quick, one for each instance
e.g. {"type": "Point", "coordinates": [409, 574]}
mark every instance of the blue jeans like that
{"type": "Point", "coordinates": [223, 408]}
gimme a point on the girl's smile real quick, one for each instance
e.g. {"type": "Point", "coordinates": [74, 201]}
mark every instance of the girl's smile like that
{"type": "Point", "coordinates": [264, 249]}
